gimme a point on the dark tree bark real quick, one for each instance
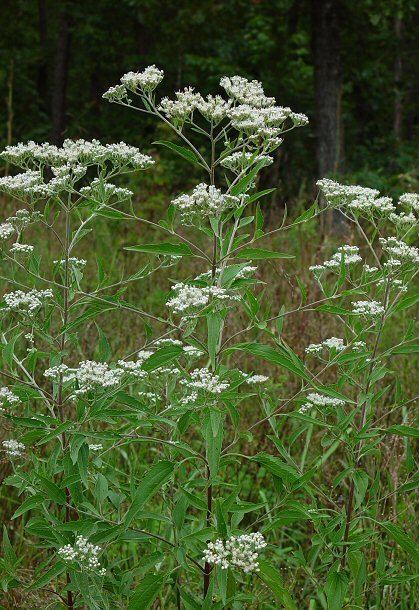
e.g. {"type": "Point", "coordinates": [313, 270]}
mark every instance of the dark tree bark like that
{"type": "Point", "coordinates": [326, 17]}
{"type": "Point", "coordinates": [60, 77]}
{"type": "Point", "coordinates": [42, 81]}
{"type": "Point", "coordinates": [398, 77]}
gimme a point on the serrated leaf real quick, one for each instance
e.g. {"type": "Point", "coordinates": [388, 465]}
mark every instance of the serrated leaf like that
{"type": "Point", "coordinates": [163, 249]}
{"type": "Point", "coordinates": [149, 485]}
{"type": "Point", "coordinates": [162, 356]}
{"type": "Point", "coordinates": [187, 154]}
{"type": "Point", "coordinates": [273, 580]}
{"type": "Point", "coordinates": [261, 254]}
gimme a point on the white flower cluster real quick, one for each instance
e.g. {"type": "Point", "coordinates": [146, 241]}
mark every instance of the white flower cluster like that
{"type": "Point", "coordinates": [238, 552]}
{"type": "Point", "coordinates": [403, 219]}
{"type": "Point", "coordinates": [331, 343]}
{"type": "Point", "coordinates": [239, 161]}
{"type": "Point", "coordinates": [189, 298]}
{"type": "Point", "coordinates": [23, 218]}
{"type": "Point", "coordinates": [214, 108]}
{"type": "Point", "coordinates": [348, 255]}
{"type": "Point", "coordinates": [320, 400]}
{"type": "Point", "coordinates": [146, 81]}
{"type": "Point", "coordinates": [84, 553]}
{"type": "Point", "coordinates": [96, 447]}
{"type": "Point", "coordinates": [105, 190]}
{"type": "Point", "coordinates": [7, 398]}
{"type": "Point", "coordinates": [18, 248]}
{"type": "Point", "coordinates": [205, 200]}
{"type": "Point", "coordinates": [368, 308]}
{"type": "Point", "coordinates": [242, 273]}
{"type": "Point", "coordinates": [399, 250]}
{"type": "Point", "coordinates": [73, 261]}
{"type": "Point", "coordinates": [354, 197]}
{"type": "Point", "coordinates": [90, 375]}
{"type": "Point", "coordinates": [182, 107]}
{"type": "Point", "coordinates": [264, 124]}
{"type": "Point", "coordinates": [133, 367]}
{"type": "Point", "coordinates": [27, 302]}
{"type": "Point", "coordinates": [6, 230]}
{"type": "Point", "coordinates": [410, 200]}
{"type": "Point", "coordinates": [13, 448]}
{"type": "Point", "coordinates": [75, 153]}
{"type": "Point", "coordinates": [256, 379]}
{"type": "Point", "coordinates": [246, 92]}
{"type": "Point", "coordinates": [204, 379]}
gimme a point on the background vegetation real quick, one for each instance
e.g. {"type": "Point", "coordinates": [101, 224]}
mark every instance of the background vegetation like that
{"type": "Point", "coordinates": [350, 66]}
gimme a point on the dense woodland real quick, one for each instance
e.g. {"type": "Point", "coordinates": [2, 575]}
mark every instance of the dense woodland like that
{"type": "Point", "coordinates": [350, 66]}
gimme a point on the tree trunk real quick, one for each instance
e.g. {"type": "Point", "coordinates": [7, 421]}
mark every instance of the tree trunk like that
{"type": "Point", "coordinates": [326, 25]}
{"type": "Point", "coordinates": [60, 76]}
{"type": "Point", "coordinates": [42, 82]}
{"type": "Point", "coordinates": [398, 76]}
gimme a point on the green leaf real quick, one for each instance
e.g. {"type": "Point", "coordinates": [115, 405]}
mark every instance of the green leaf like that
{"type": "Point", "coordinates": [164, 249]}
{"type": "Point", "coordinates": [110, 213]}
{"type": "Point", "coordinates": [336, 588]}
{"type": "Point", "coordinates": [402, 539]}
{"type": "Point", "coordinates": [258, 195]}
{"type": "Point", "coordinates": [403, 431]}
{"type": "Point", "coordinates": [261, 254]}
{"type": "Point", "coordinates": [187, 154]}
{"type": "Point", "coordinates": [91, 312]}
{"type": "Point", "coordinates": [278, 356]}
{"type": "Point", "coordinates": [164, 355]}
{"type": "Point", "coordinates": [214, 324]}
{"type": "Point", "coordinates": [243, 184]}
{"type": "Point", "coordinates": [43, 580]}
{"type": "Point", "coordinates": [273, 580]}
{"type": "Point", "coordinates": [54, 492]}
{"type": "Point", "coordinates": [149, 485]}
{"type": "Point", "coordinates": [406, 302]}
{"type": "Point", "coordinates": [276, 466]}
{"type": "Point", "coordinates": [146, 592]}
{"type": "Point", "coordinates": [28, 504]}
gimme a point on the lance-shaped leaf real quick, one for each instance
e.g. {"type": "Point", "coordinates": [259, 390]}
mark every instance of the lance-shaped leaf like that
{"type": "Point", "coordinates": [146, 592]}
{"type": "Point", "coordinates": [273, 580]}
{"type": "Point", "coordinates": [279, 356]}
{"type": "Point", "coordinates": [150, 484]}
{"type": "Point", "coordinates": [163, 249]}
{"type": "Point", "coordinates": [261, 254]}
{"type": "Point", "coordinates": [162, 356]}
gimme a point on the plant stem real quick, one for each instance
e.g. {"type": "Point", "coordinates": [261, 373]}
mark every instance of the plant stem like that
{"type": "Point", "coordinates": [207, 568]}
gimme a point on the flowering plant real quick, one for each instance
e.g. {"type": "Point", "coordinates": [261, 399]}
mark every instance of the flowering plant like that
{"type": "Point", "coordinates": [181, 524]}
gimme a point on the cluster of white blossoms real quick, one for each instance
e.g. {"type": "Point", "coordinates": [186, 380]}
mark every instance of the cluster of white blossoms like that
{"type": "Point", "coordinates": [75, 153]}
{"type": "Point", "coordinates": [256, 379]}
{"type": "Point", "coordinates": [27, 302]}
{"type": "Point", "coordinates": [133, 367]}
{"type": "Point", "coordinates": [368, 308]}
{"type": "Point", "coordinates": [410, 201]}
{"type": "Point", "coordinates": [214, 108]}
{"type": "Point", "coordinates": [320, 400]}
{"type": "Point", "coordinates": [146, 81]}
{"type": "Point", "coordinates": [205, 200]}
{"type": "Point", "coordinates": [348, 255]}
{"type": "Point", "coordinates": [204, 379]}
{"type": "Point", "coordinates": [189, 298]}
{"type": "Point", "coordinates": [6, 230]}
{"type": "Point", "coordinates": [399, 250]}
{"type": "Point", "coordinates": [105, 190]}
{"type": "Point", "coordinates": [238, 552]}
{"type": "Point", "coordinates": [7, 398]}
{"type": "Point", "coordinates": [182, 107]}
{"type": "Point", "coordinates": [73, 261]}
{"type": "Point", "coordinates": [332, 343]}
{"type": "Point", "coordinates": [246, 92]}
{"type": "Point", "coordinates": [239, 161]}
{"type": "Point", "coordinates": [68, 164]}
{"type": "Point", "coordinates": [90, 375]}
{"type": "Point", "coordinates": [244, 272]}
{"type": "Point", "coordinates": [84, 553]}
{"type": "Point", "coordinates": [13, 448]}
{"type": "Point", "coordinates": [95, 447]}
{"type": "Point", "coordinates": [355, 198]}
{"type": "Point", "coordinates": [18, 248]}
{"type": "Point", "coordinates": [248, 108]}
